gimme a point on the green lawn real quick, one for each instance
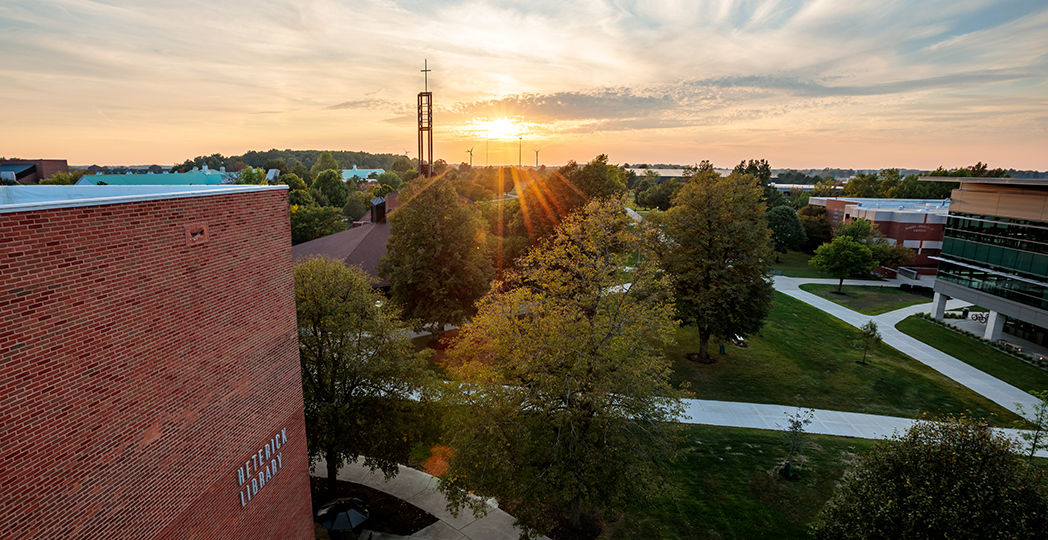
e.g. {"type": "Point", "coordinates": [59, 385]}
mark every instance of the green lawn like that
{"type": "Point", "coordinates": [795, 264]}
{"type": "Point", "coordinates": [868, 300]}
{"type": "Point", "coordinates": [805, 357]}
{"type": "Point", "coordinates": [976, 354]}
{"type": "Point", "coordinates": [728, 487]}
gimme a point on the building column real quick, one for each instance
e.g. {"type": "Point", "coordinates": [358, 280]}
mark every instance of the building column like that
{"type": "Point", "coordinates": [939, 306]}
{"type": "Point", "coordinates": [994, 326]}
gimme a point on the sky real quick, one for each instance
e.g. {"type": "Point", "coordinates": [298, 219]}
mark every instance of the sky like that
{"type": "Point", "coordinates": [808, 84]}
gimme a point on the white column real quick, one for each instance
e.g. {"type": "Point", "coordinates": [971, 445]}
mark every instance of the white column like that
{"type": "Point", "coordinates": [994, 326]}
{"type": "Point", "coordinates": [939, 306]}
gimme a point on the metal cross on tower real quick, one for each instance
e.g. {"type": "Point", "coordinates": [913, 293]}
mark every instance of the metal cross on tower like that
{"type": "Point", "coordinates": [426, 70]}
{"type": "Point", "coordinates": [425, 127]}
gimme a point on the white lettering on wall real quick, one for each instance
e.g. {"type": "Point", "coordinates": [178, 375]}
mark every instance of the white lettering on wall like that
{"type": "Point", "coordinates": [260, 469]}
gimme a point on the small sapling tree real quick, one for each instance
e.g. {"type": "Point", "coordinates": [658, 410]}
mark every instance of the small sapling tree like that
{"type": "Point", "coordinates": [869, 337]}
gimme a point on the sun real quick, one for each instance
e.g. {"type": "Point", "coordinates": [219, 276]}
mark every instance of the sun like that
{"type": "Point", "coordinates": [500, 128]}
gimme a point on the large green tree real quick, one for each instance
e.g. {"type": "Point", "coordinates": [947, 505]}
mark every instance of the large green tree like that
{"type": "Point", "coordinates": [309, 222]}
{"type": "Point", "coordinates": [842, 258]}
{"type": "Point", "coordinates": [718, 251]}
{"type": "Point", "coordinates": [360, 373]}
{"type": "Point", "coordinates": [564, 409]}
{"type": "Point", "coordinates": [951, 479]}
{"type": "Point", "coordinates": [326, 162]}
{"type": "Point", "coordinates": [787, 231]}
{"type": "Point", "coordinates": [331, 185]}
{"type": "Point", "coordinates": [436, 262]}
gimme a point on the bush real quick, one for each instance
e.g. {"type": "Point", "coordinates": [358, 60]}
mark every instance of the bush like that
{"type": "Point", "coordinates": [952, 479]}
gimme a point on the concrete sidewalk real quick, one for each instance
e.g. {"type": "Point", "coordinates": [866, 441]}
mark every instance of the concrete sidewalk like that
{"type": "Point", "coordinates": [420, 489]}
{"type": "Point", "coordinates": [824, 422]}
{"type": "Point", "coordinates": [989, 387]}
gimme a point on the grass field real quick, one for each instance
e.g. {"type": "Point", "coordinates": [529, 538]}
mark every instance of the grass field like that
{"type": "Point", "coordinates": [795, 264]}
{"type": "Point", "coordinates": [805, 357]}
{"type": "Point", "coordinates": [976, 354]}
{"type": "Point", "coordinates": [868, 300]}
{"type": "Point", "coordinates": [728, 488]}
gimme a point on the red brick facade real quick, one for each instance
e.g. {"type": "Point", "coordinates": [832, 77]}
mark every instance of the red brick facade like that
{"type": "Point", "coordinates": [912, 227]}
{"type": "Point", "coordinates": [148, 350]}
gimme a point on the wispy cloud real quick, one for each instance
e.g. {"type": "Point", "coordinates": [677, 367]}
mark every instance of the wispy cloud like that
{"type": "Point", "coordinates": [345, 74]}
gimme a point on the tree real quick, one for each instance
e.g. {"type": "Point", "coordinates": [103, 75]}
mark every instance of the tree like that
{"type": "Point", "coordinates": [868, 337]}
{"type": "Point", "coordinates": [952, 479]}
{"type": "Point", "coordinates": [357, 205]}
{"type": "Point", "coordinates": [842, 258]}
{"type": "Point", "coordinates": [861, 185]}
{"type": "Point", "coordinates": [885, 253]}
{"type": "Point", "coordinates": [390, 179]}
{"type": "Point", "coordinates": [292, 181]}
{"type": "Point", "coordinates": [435, 262]}
{"type": "Point", "coordinates": [64, 178]}
{"type": "Point", "coordinates": [360, 371]}
{"type": "Point", "coordinates": [659, 195]}
{"type": "Point", "coordinates": [564, 408]}
{"type": "Point", "coordinates": [794, 437]}
{"type": "Point", "coordinates": [325, 162]}
{"type": "Point", "coordinates": [251, 175]}
{"type": "Point", "coordinates": [331, 185]}
{"type": "Point", "coordinates": [1037, 438]}
{"type": "Point", "coordinates": [787, 231]}
{"type": "Point", "coordinates": [310, 222]}
{"type": "Point", "coordinates": [718, 251]}
{"type": "Point", "coordinates": [816, 226]}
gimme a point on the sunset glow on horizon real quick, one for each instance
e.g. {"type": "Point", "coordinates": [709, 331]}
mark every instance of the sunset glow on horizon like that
{"type": "Point", "coordinates": [806, 84]}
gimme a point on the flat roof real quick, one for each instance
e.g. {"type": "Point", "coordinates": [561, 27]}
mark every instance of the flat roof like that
{"type": "Point", "coordinates": [32, 198]}
{"type": "Point", "coordinates": [1043, 182]}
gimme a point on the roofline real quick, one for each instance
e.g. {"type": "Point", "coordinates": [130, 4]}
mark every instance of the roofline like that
{"type": "Point", "coordinates": [34, 198]}
{"type": "Point", "coordinates": [987, 180]}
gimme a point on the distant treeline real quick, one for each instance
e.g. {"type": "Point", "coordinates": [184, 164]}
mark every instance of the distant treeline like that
{"type": "Point", "coordinates": [797, 176]}
{"type": "Point", "coordinates": [254, 158]}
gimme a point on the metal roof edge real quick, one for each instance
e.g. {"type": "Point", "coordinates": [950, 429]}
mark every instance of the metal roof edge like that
{"type": "Point", "coordinates": [149, 193]}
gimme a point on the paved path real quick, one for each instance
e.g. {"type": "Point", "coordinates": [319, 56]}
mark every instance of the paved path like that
{"type": "Point", "coordinates": [420, 489]}
{"type": "Point", "coordinates": [824, 422]}
{"type": "Point", "coordinates": [989, 387]}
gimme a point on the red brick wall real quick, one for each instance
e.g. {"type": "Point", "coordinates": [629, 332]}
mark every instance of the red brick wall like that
{"type": "Point", "coordinates": [138, 373]}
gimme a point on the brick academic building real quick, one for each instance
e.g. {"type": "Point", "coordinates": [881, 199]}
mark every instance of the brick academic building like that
{"type": "Point", "coordinates": [149, 371]}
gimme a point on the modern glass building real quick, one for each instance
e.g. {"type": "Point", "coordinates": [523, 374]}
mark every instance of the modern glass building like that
{"type": "Point", "coordinates": [995, 254]}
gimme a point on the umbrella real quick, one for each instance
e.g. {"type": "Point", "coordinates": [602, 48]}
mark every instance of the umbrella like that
{"type": "Point", "coordinates": [343, 514]}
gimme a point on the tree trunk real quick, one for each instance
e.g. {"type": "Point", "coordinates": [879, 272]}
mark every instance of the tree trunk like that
{"type": "Point", "coordinates": [840, 285]}
{"type": "Point", "coordinates": [332, 470]}
{"type": "Point", "coordinates": [576, 514]}
{"type": "Point", "coordinates": [704, 345]}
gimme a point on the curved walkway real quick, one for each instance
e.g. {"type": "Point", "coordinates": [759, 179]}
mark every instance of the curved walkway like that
{"type": "Point", "coordinates": [420, 489]}
{"type": "Point", "coordinates": [985, 385]}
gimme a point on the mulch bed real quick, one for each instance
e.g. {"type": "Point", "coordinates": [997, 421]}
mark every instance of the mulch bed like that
{"type": "Point", "coordinates": [388, 514]}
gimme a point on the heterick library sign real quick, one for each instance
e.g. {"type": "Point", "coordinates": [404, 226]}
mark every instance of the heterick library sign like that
{"type": "Point", "coordinates": [261, 467]}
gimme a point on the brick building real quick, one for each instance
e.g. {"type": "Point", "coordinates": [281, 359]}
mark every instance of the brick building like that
{"type": "Point", "coordinates": [32, 171]}
{"type": "Point", "coordinates": [149, 372]}
{"type": "Point", "coordinates": [918, 224]}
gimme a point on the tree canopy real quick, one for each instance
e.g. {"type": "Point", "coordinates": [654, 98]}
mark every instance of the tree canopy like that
{"type": "Point", "coordinates": [564, 406]}
{"type": "Point", "coordinates": [718, 251]}
{"type": "Point", "coordinates": [842, 258]}
{"type": "Point", "coordinates": [359, 369]}
{"type": "Point", "coordinates": [787, 231]}
{"type": "Point", "coordinates": [436, 262]}
{"type": "Point", "coordinates": [951, 479]}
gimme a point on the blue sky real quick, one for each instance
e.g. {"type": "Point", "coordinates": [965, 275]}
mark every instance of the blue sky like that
{"type": "Point", "coordinates": [863, 84]}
